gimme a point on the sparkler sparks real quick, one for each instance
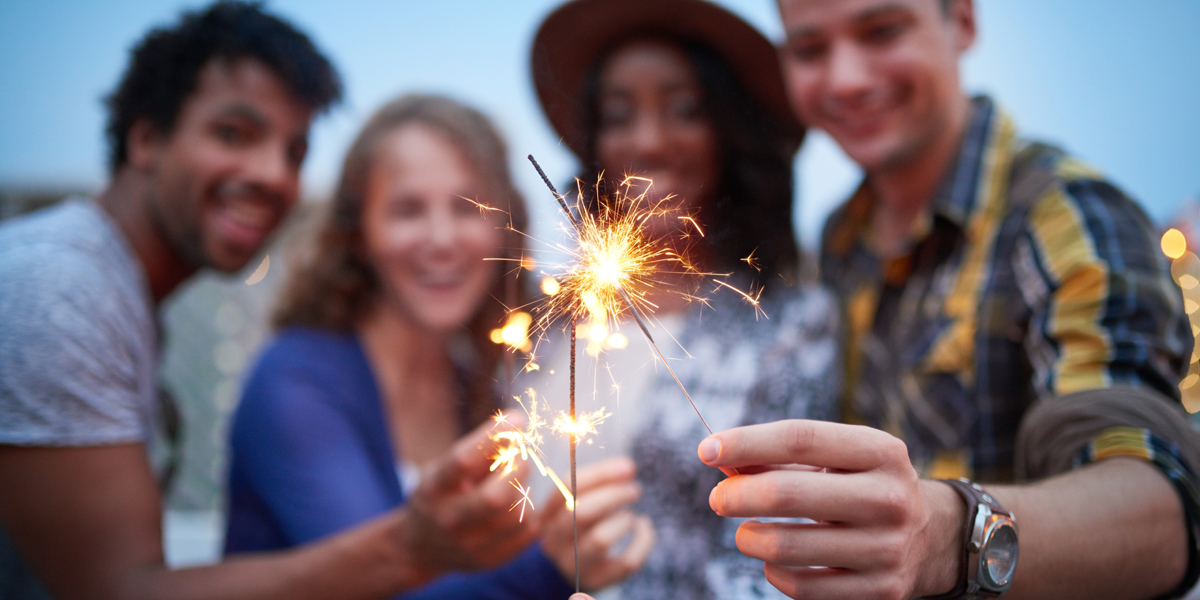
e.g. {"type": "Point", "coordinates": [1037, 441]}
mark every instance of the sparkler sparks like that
{"type": "Point", "coordinates": [525, 444]}
{"type": "Point", "coordinates": [582, 425]}
{"type": "Point", "coordinates": [524, 500]}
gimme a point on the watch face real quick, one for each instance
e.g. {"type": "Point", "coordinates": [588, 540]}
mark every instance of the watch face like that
{"type": "Point", "coordinates": [1000, 554]}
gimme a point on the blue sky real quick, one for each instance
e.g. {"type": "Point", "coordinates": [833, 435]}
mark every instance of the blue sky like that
{"type": "Point", "coordinates": [1116, 82]}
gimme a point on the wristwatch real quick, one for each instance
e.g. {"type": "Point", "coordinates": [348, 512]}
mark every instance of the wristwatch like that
{"type": "Point", "coordinates": [990, 547]}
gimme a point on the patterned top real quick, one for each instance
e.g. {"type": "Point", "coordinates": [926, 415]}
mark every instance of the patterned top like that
{"type": "Point", "coordinates": [1013, 291]}
{"type": "Point", "coordinates": [739, 370]}
{"type": "Point", "coordinates": [745, 371]}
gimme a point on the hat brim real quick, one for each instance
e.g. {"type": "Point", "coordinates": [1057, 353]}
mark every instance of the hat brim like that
{"type": "Point", "coordinates": [572, 38]}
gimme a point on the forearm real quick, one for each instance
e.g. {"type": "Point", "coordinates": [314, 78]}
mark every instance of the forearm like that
{"type": "Point", "coordinates": [1114, 529]}
{"type": "Point", "coordinates": [365, 562]}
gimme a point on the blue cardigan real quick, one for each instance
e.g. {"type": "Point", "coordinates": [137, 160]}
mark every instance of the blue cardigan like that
{"type": "Point", "coordinates": [311, 456]}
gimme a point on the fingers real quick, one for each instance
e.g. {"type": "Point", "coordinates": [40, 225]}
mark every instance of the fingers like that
{"type": "Point", "coordinates": [595, 542]}
{"type": "Point", "coordinates": [469, 459]}
{"type": "Point", "coordinates": [815, 583]}
{"type": "Point", "coordinates": [814, 545]}
{"type": "Point", "coordinates": [836, 497]}
{"type": "Point", "coordinates": [617, 469]}
{"type": "Point", "coordinates": [599, 503]}
{"type": "Point", "coordinates": [581, 597]}
{"type": "Point", "coordinates": [599, 567]}
{"type": "Point", "coordinates": [815, 443]}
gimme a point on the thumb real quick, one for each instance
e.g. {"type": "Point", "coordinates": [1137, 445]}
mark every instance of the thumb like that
{"type": "Point", "coordinates": [470, 457]}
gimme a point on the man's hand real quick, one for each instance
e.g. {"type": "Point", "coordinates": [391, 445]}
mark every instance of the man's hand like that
{"type": "Point", "coordinates": [459, 517]}
{"type": "Point", "coordinates": [879, 530]}
{"type": "Point", "coordinates": [606, 489]}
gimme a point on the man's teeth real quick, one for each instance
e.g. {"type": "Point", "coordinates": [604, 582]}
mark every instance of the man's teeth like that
{"type": "Point", "coordinates": [251, 214]}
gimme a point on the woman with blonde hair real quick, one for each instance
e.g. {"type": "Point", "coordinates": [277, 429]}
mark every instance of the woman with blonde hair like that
{"type": "Point", "coordinates": [383, 359]}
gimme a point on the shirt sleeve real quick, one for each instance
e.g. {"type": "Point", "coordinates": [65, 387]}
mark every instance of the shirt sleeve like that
{"type": "Point", "coordinates": [1105, 310]}
{"type": "Point", "coordinates": [1109, 341]}
{"type": "Point", "coordinates": [69, 352]}
{"type": "Point", "coordinates": [299, 448]}
{"type": "Point", "coordinates": [302, 455]}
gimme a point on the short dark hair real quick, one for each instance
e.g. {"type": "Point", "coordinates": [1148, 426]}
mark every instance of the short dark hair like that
{"type": "Point", "coordinates": [166, 64]}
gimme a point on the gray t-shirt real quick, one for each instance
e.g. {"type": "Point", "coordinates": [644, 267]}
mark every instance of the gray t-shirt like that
{"type": "Point", "coordinates": [78, 342]}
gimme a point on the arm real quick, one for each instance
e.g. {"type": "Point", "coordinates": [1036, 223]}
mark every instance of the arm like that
{"type": "Point", "coordinates": [892, 535]}
{"type": "Point", "coordinates": [88, 522]}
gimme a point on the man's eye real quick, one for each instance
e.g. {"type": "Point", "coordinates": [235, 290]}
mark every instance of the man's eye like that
{"type": "Point", "coordinates": [227, 133]}
{"type": "Point", "coordinates": [806, 52]}
{"type": "Point", "coordinates": [884, 33]}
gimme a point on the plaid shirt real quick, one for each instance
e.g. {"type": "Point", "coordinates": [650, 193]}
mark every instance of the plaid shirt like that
{"type": "Point", "coordinates": [1001, 301]}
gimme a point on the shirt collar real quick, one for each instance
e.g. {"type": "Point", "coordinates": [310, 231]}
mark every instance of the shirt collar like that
{"type": "Point", "coordinates": [956, 196]}
{"type": "Point", "coordinates": [955, 199]}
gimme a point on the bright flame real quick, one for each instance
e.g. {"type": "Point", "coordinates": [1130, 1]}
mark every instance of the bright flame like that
{"type": "Point", "coordinates": [515, 332]}
{"type": "Point", "coordinates": [583, 424]}
{"type": "Point", "coordinates": [614, 256]}
{"type": "Point", "coordinates": [550, 287]}
{"type": "Point", "coordinates": [617, 341]}
{"type": "Point", "coordinates": [598, 332]}
{"type": "Point", "coordinates": [1173, 243]}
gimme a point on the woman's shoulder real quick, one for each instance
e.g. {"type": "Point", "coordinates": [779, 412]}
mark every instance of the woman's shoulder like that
{"type": "Point", "coordinates": [310, 347]}
{"type": "Point", "coordinates": [317, 357]}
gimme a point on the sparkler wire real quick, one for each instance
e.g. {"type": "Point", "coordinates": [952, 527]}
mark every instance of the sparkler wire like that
{"type": "Point", "coordinates": [574, 492]}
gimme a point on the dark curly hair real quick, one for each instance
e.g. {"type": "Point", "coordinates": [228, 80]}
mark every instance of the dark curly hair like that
{"type": "Point", "coordinates": [166, 63]}
{"type": "Point", "coordinates": [752, 212]}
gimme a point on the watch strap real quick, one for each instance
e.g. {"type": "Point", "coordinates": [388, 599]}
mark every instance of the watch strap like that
{"type": "Point", "coordinates": [973, 496]}
{"type": "Point", "coordinates": [965, 492]}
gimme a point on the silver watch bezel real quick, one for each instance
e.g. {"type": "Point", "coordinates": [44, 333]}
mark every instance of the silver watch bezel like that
{"type": "Point", "coordinates": [983, 532]}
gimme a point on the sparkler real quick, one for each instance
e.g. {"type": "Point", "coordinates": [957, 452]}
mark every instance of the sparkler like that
{"type": "Point", "coordinates": [616, 265]}
{"type": "Point", "coordinates": [613, 254]}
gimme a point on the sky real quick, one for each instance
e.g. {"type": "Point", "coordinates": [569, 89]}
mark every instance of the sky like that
{"type": "Point", "coordinates": [1116, 82]}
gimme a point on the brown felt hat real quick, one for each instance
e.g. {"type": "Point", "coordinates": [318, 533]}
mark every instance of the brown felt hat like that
{"type": "Point", "coordinates": [576, 34]}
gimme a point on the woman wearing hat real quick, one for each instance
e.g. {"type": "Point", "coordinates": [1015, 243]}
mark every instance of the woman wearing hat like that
{"type": "Point", "coordinates": [690, 96]}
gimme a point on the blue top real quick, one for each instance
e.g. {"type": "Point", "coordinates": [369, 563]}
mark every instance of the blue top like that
{"type": "Point", "coordinates": [311, 456]}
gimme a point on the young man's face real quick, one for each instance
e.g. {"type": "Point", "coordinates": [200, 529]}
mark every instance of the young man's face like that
{"type": "Point", "coordinates": [229, 172]}
{"type": "Point", "coordinates": [878, 75]}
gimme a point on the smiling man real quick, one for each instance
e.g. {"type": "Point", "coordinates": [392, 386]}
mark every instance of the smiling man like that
{"type": "Point", "coordinates": [208, 130]}
{"type": "Point", "coordinates": [1011, 321]}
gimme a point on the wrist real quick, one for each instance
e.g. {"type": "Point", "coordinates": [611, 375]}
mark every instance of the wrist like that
{"type": "Point", "coordinates": [405, 560]}
{"type": "Point", "coordinates": [944, 541]}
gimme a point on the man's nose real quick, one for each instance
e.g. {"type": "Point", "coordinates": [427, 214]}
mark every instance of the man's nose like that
{"type": "Point", "coordinates": [271, 169]}
{"type": "Point", "coordinates": [849, 74]}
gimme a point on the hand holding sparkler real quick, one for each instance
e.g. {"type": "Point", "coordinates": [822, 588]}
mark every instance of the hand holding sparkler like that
{"type": "Point", "coordinates": [606, 489]}
{"type": "Point", "coordinates": [458, 518]}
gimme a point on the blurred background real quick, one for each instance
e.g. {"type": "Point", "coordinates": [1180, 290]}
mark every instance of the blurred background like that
{"type": "Point", "coordinates": [1115, 82]}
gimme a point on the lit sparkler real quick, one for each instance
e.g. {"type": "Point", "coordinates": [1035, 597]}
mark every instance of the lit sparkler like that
{"type": "Point", "coordinates": [617, 264]}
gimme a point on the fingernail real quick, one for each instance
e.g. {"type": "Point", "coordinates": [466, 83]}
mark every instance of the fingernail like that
{"type": "Point", "coordinates": [710, 449]}
{"type": "Point", "coordinates": [713, 501]}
